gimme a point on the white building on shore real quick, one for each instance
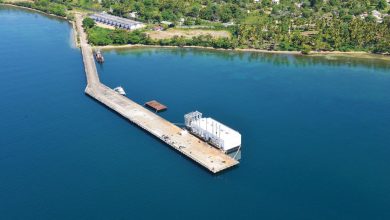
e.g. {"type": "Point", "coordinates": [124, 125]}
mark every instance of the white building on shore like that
{"type": "Point", "coordinates": [116, 21]}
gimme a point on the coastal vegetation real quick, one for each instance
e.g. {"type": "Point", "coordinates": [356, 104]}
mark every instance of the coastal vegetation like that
{"type": "Point", "coordinates": [293, 25]}
{"type": "Point", "coordinates": [286, 25]}
{"type": "Point", "coordinates": [100, 36]}
{"type": "Point", "coordinates": [46, 6]}
{"type": "Point", "coordinates": [323, 34]}
{"type": "Point", "coordinates": [88, 23]}
{"type": "Point", "coordinates": [235, 10]}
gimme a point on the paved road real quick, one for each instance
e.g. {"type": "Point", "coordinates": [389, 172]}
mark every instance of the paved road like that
{"type": "Point", "coordinates": [89, 61]}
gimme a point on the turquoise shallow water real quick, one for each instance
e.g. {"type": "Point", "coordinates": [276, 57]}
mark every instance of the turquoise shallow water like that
{"type": "Point", "coordinates": [316, 133]}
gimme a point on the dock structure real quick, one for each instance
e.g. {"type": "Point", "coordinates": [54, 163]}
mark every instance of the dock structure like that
{"type": "Point", "coordinates": [189, 145]}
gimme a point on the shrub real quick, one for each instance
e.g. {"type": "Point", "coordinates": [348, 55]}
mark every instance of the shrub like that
{"type": "Point", "coordinates": [306, 49]}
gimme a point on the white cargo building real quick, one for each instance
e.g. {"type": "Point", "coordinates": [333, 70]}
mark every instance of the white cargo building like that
{"type": "Point", "coordinates": [213, 131]}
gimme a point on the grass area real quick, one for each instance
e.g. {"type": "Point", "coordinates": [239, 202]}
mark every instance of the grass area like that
{"type": "Point", "coordinates": [101, 36]}
{"type": "Point", "coordinates": [187, 33]}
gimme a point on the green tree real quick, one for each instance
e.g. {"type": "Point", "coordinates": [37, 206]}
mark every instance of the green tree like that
{"type": "Point", "coordinates": [306, 49]}
{"type": "Point", "coordinates": [88, 23]}
{"type": "Point", "coordinates": [382, 5]}
{"type": "Point", "coordinates": [194, 11]}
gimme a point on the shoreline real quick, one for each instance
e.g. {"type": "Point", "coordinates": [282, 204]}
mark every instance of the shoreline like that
{"type": "Point", "coordinates": [35, 10]}
{"type": "Point", "coordinates": [74, 32]}
{"type": "Point", "coordinates": [350, 54]}
{"type": "Point", "coordinates": [75, 35]}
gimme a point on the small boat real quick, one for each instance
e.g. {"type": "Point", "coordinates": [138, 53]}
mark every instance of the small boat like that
{"type": "Point", "coordinates": [99, 56]}
{"type": "Point", "coordinates": [120, 90]}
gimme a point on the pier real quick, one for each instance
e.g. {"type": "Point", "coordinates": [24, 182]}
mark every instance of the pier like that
{"type": "Point", "coordinates": [194, 148]}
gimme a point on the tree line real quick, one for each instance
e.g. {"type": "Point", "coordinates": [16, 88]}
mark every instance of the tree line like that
{"type": "Point", "coordinates": [45, 6]}
{"type": "Point", "coordinates": [302, 25]}
{"type": "Point", "coordinates": [101, 36]}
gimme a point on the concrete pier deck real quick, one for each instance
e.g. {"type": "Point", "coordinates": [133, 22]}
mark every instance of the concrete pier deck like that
{"type": "Point", "coordinates": [201, 152]}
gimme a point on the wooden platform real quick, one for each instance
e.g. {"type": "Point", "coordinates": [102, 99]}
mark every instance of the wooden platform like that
{"type": "Point", "coordinates": [158, 107]}
{"type": "Point", "coordinates": [201, 152]}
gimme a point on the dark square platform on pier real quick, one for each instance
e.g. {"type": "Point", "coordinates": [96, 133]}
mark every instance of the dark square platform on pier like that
{"type": "Point", "coordinates": [156, 106]}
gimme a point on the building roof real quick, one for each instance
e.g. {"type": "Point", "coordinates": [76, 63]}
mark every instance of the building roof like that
{"type": "Point", "coordinates": [116, 19]}
{"type": "Point", "coordinates": [230, 137]}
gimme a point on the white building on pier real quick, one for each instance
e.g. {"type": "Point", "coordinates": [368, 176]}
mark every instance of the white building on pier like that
{"type": "Point", "coordinates": [213, 132]}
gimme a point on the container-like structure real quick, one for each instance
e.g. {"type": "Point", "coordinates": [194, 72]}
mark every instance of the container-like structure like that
{"type": "Point", "coordinates": [214, 132]}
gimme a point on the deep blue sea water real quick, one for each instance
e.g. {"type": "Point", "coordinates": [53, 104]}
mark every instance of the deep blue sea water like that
{"type": "Point", "coordinates": [316, 132]}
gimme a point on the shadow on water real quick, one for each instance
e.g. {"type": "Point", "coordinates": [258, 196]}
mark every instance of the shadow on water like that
{"type": "Point", "coordinates": [375, 62]}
